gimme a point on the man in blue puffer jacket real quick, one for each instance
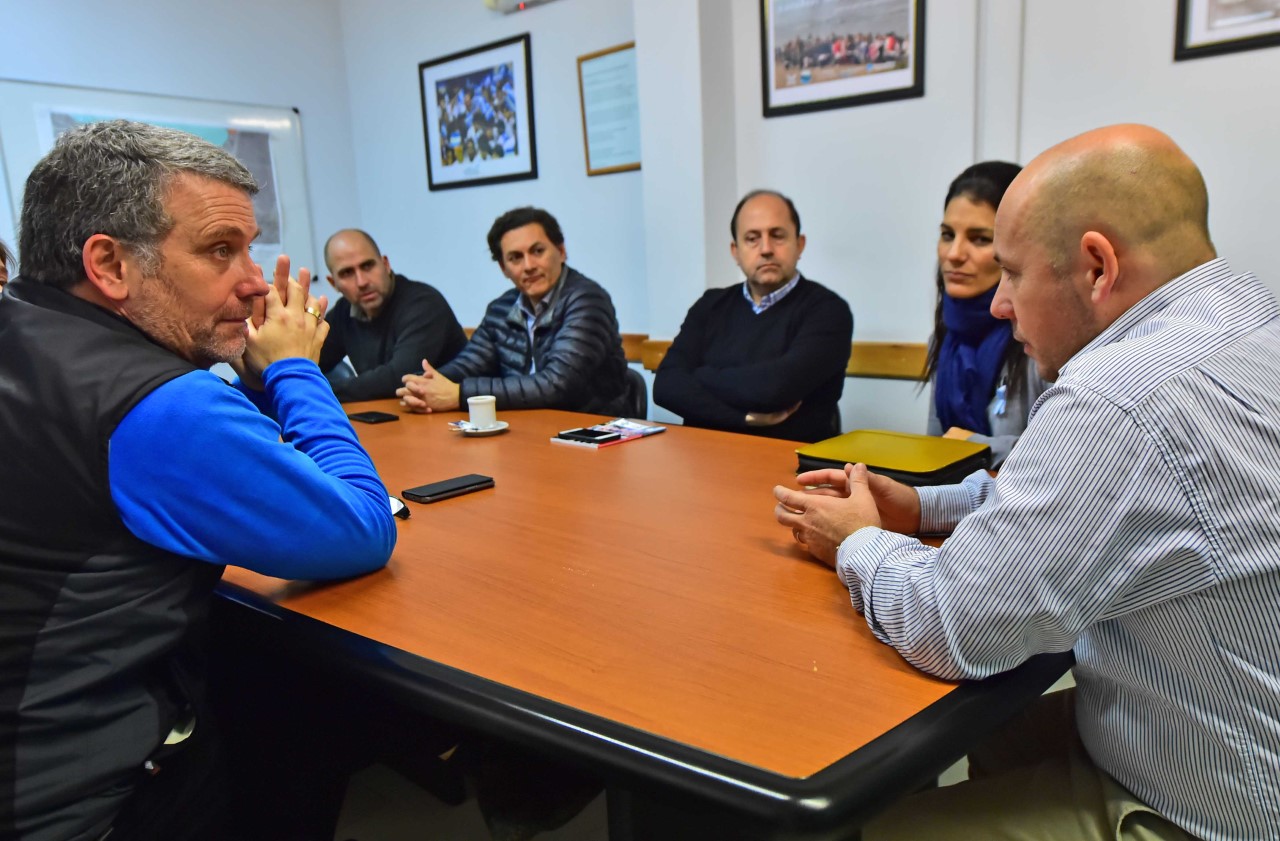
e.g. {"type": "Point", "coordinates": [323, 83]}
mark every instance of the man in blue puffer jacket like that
{"type": "Point", "coordinates": [552, 342]}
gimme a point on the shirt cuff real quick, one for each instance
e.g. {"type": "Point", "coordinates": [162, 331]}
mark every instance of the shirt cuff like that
{"type": "Point", "coordinates": [856, 562]}
{"type": "Point", "coordinates": [942, 507]}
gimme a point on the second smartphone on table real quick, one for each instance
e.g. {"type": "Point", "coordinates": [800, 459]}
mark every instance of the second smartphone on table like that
{"type": "Point", "coordinates": [458, 485]}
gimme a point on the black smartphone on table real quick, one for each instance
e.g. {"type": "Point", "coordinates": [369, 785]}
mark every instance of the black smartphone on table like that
{"type": "Point", "coordinates": [587, 435]}
{"type": "Point", "coordinates": [458, 485]}
{"type": "Point", "coordinates": [373, 417]}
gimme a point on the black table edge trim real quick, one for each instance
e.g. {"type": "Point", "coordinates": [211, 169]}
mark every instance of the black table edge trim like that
{"type": "Point", "coordinates": [846, 793]}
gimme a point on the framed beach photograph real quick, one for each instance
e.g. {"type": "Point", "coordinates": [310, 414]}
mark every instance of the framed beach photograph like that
{"type": "Point", "coordinates": [1216, 27]}
{"type": "Point", "coordinates": [822, 54]}
{"type": "Point", "coordinates": [477, 116]}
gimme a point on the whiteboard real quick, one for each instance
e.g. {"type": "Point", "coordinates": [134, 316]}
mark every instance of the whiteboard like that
{"type": "Point", "coordinates": [266, 139]}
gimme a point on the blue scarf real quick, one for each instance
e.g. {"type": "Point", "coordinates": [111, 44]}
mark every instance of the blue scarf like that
{"type": "Point", "coordinates": [969, 361]}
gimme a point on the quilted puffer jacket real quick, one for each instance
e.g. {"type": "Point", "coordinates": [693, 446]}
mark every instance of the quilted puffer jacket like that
{"type": "Point", "coordinates": [576, 346]}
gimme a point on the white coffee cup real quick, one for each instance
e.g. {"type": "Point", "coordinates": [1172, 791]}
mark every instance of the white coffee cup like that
{"type": "Point", "coordinates": [484, 411]}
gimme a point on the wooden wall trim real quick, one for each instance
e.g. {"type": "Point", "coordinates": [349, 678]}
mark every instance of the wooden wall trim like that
{"type": "Point", "coordinates": [887, 360]}
{"type": "Point", "coordinates": [652, 353]}
{"type": "Point", "coordinates": [875, 360]}
{"type": "Point", "coordinates": [632, 343]}
{"type": "Point", "coordinates": [633, 346]}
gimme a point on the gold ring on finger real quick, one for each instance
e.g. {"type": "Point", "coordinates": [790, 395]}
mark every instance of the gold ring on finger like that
{"type": "Point", "coordinates": [314, 311]}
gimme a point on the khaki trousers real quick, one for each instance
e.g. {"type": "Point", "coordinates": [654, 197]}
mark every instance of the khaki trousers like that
{"type": "Point", "coordinates": [1032, 782]}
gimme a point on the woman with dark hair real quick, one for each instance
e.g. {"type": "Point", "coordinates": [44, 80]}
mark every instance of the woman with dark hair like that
{"type": "Point", "coordinates": [982, 384]}
{"type": "Point", "coordinates": [4, 264]}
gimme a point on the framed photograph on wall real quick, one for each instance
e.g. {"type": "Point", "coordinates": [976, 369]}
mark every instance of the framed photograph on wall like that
{"type": "Point", "coordinates": [821, 54]}
{"type": "Point", "coordinates": [1216, 27]}
{"type": "Point", "coordinates": [477, 115]}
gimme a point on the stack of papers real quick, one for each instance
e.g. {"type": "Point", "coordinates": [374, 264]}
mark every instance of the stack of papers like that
{"type": "Point", "coordinates": [616, 431]}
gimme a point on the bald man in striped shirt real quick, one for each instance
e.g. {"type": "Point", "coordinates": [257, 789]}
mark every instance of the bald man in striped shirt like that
{"type": "Point", "coordinates": [1135, 523]}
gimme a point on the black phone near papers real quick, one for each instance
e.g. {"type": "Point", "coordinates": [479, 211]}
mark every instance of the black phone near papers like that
{"type": "Point", "coordinates": [587, 435]}
{"type": "Point", "coordinates": [616, 431]}
{"type": "Point", "coordinates": [373, 417]}
{"type": "Point", "coordinates": [457, 486]}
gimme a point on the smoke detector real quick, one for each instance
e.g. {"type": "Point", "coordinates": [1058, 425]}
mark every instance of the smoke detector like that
{"type": "Point", "coordinates": [509, 6]}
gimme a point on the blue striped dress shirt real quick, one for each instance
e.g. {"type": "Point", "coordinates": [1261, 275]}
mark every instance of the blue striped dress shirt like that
{"type": "Point", "coordinates": [1137, 521]}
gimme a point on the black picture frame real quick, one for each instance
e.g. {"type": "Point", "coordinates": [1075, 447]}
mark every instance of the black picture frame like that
{"type": "Point", "coordinates": [800, 78]}
{"type": "Point", "coordinates": [1239, 28]}
{"type": "Point", "coordinates": [477, 115]}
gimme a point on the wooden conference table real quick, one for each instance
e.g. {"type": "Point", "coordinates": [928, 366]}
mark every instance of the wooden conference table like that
{"type": "Point", "coordinates": [636, 609]}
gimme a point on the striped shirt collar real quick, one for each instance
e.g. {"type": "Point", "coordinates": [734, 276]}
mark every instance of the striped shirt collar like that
{"type": "Point", "coordinates": [1205, 274]}
{"type": "Point", "coordinates": [770, 299]}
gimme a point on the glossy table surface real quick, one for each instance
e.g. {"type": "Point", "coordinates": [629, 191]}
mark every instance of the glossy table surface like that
{"type": "Point", "coordinates": [635, 606]}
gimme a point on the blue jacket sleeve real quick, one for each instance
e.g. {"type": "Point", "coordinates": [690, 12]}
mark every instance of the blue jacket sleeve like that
{"type": "Point", "coordinates": [197, 470]}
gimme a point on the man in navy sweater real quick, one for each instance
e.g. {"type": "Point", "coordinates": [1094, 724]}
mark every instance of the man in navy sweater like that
{"type": "Point", "coordinates": [766, 357]}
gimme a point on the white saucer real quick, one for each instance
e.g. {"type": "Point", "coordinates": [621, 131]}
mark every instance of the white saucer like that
{"type": "Point", "coordinates": [500, 426]}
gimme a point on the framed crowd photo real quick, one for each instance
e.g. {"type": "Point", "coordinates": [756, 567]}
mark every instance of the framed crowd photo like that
{"type": "Point", "coordinates": [822, 54]}
{"type": "Point", "coordinates": [477, 116]}
{"type": "Point", "coordinates": [1216, 27]}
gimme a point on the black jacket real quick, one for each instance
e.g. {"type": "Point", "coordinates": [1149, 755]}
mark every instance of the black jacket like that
{"type": "Point", "coordinates": [97, 661]}
{"type": "Point", "coordinates": [416, 323]}
{"type": "Point", "coordinates": [576, 345]}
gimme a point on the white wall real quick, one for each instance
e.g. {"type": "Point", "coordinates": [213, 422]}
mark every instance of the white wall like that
{"type": "Point", "coordinates": [282, 53]}
{"type": "Point", "coordinates": [439, 237]}
{"type": "Point", "coordinates": [869, 183]}
{"type": "Point", "coordinates": [1002, 77]}
{"type": "Point", "coordinates": [1224, 111]}
{"type": "Point", "coordinates": [675, 132]}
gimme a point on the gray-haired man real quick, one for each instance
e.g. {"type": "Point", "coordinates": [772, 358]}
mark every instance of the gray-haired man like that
{"type": "Point", "coordinates": [127, 465]}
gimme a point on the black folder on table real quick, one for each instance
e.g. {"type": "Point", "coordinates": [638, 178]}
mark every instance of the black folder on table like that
{"type": "Point", "coordinates": [911, 459]}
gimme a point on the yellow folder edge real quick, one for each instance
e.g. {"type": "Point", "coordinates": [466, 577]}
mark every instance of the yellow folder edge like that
{"type": "Point", "coordinates": [901, 451]}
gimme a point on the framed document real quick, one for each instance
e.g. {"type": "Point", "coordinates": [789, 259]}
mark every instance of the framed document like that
{"type": "Point", "coordinates": [477, 115]}
{"type": "Point", "coordinates": [610, 109]}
